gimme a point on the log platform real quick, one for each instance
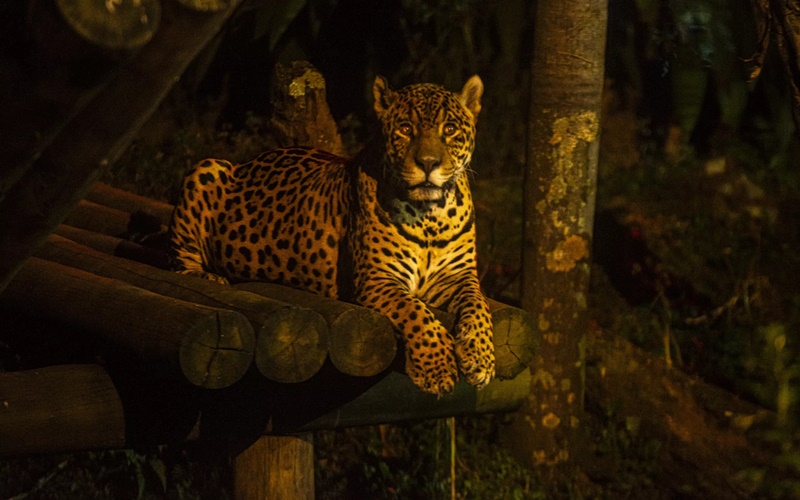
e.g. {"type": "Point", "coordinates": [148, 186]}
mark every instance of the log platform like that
{"type": "Point", "coordinates": [317, 363]}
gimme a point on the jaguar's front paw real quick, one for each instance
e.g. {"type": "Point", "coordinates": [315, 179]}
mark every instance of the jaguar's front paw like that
{"type": "Point", "coordinates": [206, 275]}
{"type": "Point", "coordinates": [475, 353]}
{"type": "Point", "coordinates": [433, 371]}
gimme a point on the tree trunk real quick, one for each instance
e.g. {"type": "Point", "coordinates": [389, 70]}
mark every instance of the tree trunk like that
{"type": "Point", "coordinates": [559, 192]}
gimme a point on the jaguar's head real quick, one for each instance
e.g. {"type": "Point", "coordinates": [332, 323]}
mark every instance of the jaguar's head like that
{"type": "Point", "coordinates": [429, 135]}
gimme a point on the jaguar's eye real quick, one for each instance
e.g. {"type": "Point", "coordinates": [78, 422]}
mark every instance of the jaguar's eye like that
{"type": "Point", "coordinates": [449, 129]}
{"type": "Point", "coordinates": [405, 129]}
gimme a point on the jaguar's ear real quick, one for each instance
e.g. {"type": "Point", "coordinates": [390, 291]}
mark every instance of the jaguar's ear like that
{"type": "Point", "coordinates": [471, 94]}
{"type": "Point", "coordinates": [384, 96]}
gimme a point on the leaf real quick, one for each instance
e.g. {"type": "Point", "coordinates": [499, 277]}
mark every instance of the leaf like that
{"type": "Point", "coordinates": [161, 471]}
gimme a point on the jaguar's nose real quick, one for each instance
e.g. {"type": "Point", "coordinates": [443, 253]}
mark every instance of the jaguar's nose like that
{"type": "Point", "coordinates": [428, 163]}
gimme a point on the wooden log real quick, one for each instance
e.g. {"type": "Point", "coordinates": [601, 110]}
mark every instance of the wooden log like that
{"type": "Point", "coordinates": [59, 409]}
{"type": "Point", "coordinates": [98, 218]}
{"type": "Point", "coordinates": [118, 247]}
{"type": "Point", "coordinates": [362, 341]}
{"type": "Point", "coordinates": [103, 194]}
{"type": "Point", "coordinates": [275, 468]}
{"type": "Point", "coordinates": [209, 347]}
{"type": "Point", "coordinates": [291, 342]}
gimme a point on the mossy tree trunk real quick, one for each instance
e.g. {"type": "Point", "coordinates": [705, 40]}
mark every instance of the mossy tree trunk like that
{"type": "Point", "coordinates": [560, 180]}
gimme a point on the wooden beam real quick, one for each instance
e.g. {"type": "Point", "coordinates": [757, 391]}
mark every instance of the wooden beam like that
{"type": "Point", "coordinates": [208, 347]}
{"type": "Point", "coordinates": [100, 218]}
{"type": "Point", "coordinates": [396, 399]}
{"type": "Point", "coordinates": [332, 400]}
{"type": "Point", "coordinates": [59, 409]}
{"type": "Point", "coordinates": [78, 407]}
{"type": "Point", "coordinates": [42, 195]}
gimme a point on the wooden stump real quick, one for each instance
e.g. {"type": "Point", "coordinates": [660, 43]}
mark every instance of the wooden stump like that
{"type": "Point", "coordinates": [301, 116]}
{"type": "Point", "coordinates": [275, 468]}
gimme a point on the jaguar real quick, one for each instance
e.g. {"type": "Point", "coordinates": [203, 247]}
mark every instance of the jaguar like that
{"type": "Point", "coordinates": [392, 229]}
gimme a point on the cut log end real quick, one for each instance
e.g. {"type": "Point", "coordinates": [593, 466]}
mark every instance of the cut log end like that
{"type": "Point", "coordinates": [513, 345]}
{"type": "Point", "coordinates": [292, 345]}
{"type": "Point", "coordinates": [362, 342]}
{"type": "Point", "coordinates": [217, 352]}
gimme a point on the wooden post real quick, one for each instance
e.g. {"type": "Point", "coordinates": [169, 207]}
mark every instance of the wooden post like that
{"type": "Point", "coordinates": [300, 115]}
{"type": "Point", "coordinates": [275, 468]}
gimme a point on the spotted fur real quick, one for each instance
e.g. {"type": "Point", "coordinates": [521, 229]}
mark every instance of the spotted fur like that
{"type": "Point", "coordinates": [392, 229]}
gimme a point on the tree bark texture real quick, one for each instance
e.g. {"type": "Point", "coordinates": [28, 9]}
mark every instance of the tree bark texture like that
{"type": "Point", "coordinates": [785, 23]}
{"type": "Point", "coordinates": [559, 194]}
